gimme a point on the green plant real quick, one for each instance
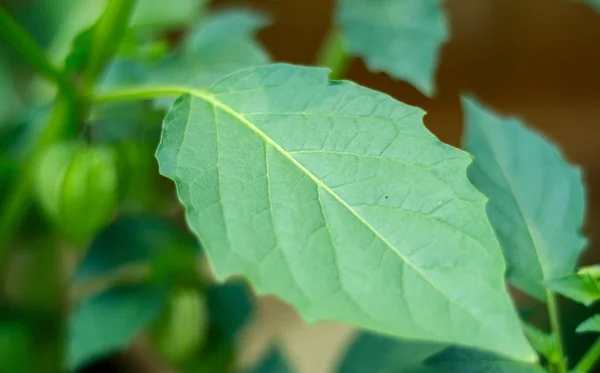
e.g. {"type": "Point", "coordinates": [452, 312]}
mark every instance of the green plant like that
{"type": "Point", "coordinates": [332, 196]}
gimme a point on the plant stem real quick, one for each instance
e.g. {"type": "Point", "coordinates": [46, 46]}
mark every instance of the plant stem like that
{"type": "Point", "coordinates": [107, 34]}
{"type": "Point", "coordinates": [334, 54]}
{"type": "Point", "coordinates": [141, 93]}
{"type": "Point", "coordinates": [553, 313]}
{"type": "Point", "coordinates": [589, 360]}
{"type": "Point", "coordinates": [30, 49]}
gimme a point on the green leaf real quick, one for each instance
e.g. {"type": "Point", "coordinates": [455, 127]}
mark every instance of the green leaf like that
{"type": "Point", "coordinates": [16, 346]}
{"type": "Point", "coordinates": [591, 325]}
{"type": "Point", "coordinates": [544, 343]}
{"type": "Point", "coordinates": [458, 360]}
{"type": "Point", "coordinates": [230, 306]}
{"type": "Point", "coordinates": [110, 321]}
{"type": "Point", "coordinates": [580, 288]}
{"type": "Point", "coordinates": [160, 13]}
{"type": "Point", "coordinates": [129, 240]}
{"type": "Point", "coordinates": [537, 199]}
{"type": "Point", "coordinates": [338, 199]}
{"type": "Point", "coordinates": [221, 44]}
{"type": "Point", "coordinates": [400, 37]}
{"type": "Point", "coordinates": [377, 354]}
{"type": "Point", "coordinates": [273, 362]}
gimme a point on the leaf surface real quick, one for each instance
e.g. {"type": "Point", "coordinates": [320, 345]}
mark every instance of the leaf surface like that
{"type": "Point", "coordinates": [378, 354]}
{"type": "Point", "coordinates": [338, 199]}
{"type": "Point", "coordinates": [459, 360]}
{"type": "Point", "coordinates": [400, 37]}
{"type": "Point", "coordinates": [581, 288]}
{"type": "Point", "coordinates": [591, 325]}
{"type": "Point", "coordinates": [537, 199]}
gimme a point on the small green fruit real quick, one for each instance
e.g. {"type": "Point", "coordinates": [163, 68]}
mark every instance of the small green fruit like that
{"type": "Point", "coordinates": [76, 186]}
{"type": "Point", "coordinates": [181, 332]}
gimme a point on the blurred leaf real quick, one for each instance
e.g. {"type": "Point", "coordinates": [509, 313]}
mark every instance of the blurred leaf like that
{"type": "Point", "coordinates": [591, 325]}
{"type": "Point", "coordinates": [221, 44]}
{"type": "Point", "coordinates": [544, 343]}
{"type": "Point", "coordinates": [129, 240]}
{"type": "Point", "coordinates": [460, 360]}
{"type": "Point", "coordinates": [9, 101]}
{"type": "Point", "coordinates": [273, 362]}
{"type": "Point", "coordinates": [160, 13]}
{"type": "Point", "coordinates": [75, 18]}
{"type": "Point", "coordinates": [251, 159]}
{"type": "Point", "coordinates": [537, 199]}
{"type": "Point", "coordinates": [110, 321]}
{"type": "Point", "coordinates": [581, 288]}
{"type": "Point", "coordinates": [16, 347]}
{"type": "Point", "coordinates": [378, 354]}
{"type": "Point", "coordinates": [400, 37]}
{"type": "Point", "coordinates": [230, 306]}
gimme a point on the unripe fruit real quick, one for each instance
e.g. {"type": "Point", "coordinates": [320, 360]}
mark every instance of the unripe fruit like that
{"type": "Point", "coordinates": [182, 331]}
{"type": "Point", "coordinates": [76, 186]}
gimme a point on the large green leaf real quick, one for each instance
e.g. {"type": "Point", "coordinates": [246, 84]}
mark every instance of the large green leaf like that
{"type": "Point", "coordinates": [400, 37]}
{"type": "Point", "coordinates": [339, 200]}
{"type": "Point", "coordinates": [537, 200]}
{"type": "Point", "coordinates": [378, 354]}
{"type": "Point", "coordinates": [458, 360]}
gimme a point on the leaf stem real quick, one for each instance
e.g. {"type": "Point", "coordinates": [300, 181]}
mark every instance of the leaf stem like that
{"type": "Point", "coordinates": [141, 93]}
{"type": "Point", "coordinates": [30, 49]}
{"type": "Point", "coordinates": [553, 313]}
{"type": "Point", "coordinates": [334, 54]}
{"type": "Point", "coordinates": [589, 360]}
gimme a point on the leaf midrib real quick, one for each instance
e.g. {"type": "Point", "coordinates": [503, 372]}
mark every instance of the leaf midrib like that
{"type": "Point", "coordinates": [209, 98]}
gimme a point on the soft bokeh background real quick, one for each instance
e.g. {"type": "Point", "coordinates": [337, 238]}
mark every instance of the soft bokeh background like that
{"type": "Point", "coordinates": [538, 59]}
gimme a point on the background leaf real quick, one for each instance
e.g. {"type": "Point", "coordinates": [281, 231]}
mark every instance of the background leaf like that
{"type": "Point", "coordinates": [110, 321]}
{"type": "Point", "coordinates": [591, 325]}
{"type": "Point", "coordinates": [339, 200]}
{"type": "Point", "coordinates": [459, 360]}
{"type": "Point", "coordinates": [378, 354]}
{"type": "Point", "coordinates": [400, 37]}
{"type": "Point", "coordinates": [230, 306]}
{"type": "Point", "coordinates": [593, 3]}
{"type": "Point", "coordinates": [581, 288]}
{"type": "Point", "coordinates": [273, 362]}
{"type": "Point", "coordinates": [537, 200]}
{"type": "Point", "coordinates": [544, 343]}
{"type": "Point", "coordinates": [221, 44]}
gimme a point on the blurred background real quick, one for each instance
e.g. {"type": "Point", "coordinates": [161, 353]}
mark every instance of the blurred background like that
{"type": "Point", "coordinates": [536, 59]}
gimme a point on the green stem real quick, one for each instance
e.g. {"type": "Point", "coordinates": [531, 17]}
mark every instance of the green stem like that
{"type": "Point", "coordinates": [30, 49]}
{"type": "Point", "coordinates": [106, 37]}
{"type": "Point", "coordinates": [334, 55]}
{"type": "Point", "coordinates": [589, 360]}
{"type": "Point", "coordinates": [17, 201]}
{"type": "Point", "coordinates": [561, 364]}
{"type": "Point", "coordinates": [141, 93]}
